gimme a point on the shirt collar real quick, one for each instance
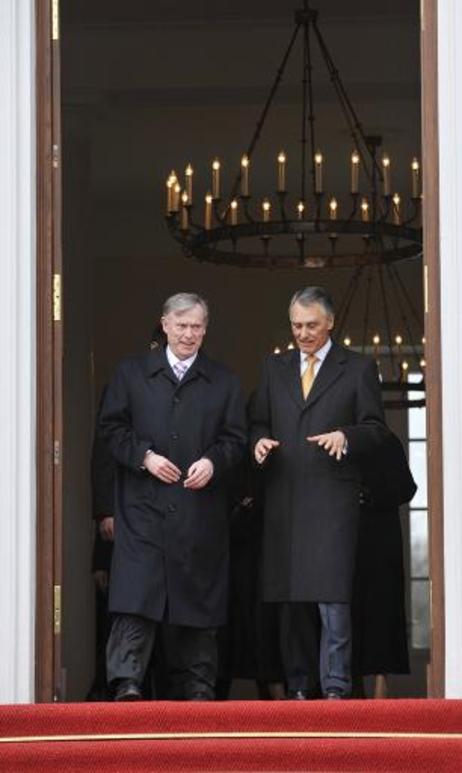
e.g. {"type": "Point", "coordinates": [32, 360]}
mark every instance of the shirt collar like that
{"type": "Point", "coordinates": [173, 359]}
{"type": "Point", "coordinates": [321, 354]}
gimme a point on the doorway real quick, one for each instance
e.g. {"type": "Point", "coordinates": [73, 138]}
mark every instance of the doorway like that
{"type": "Point", "coordinates": [139, 83]}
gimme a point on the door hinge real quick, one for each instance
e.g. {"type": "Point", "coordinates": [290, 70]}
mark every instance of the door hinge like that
{"type": "Point", "coordinates": [57, 609]}
{"type": "Point", "coordinates": [55, 19]}
{"type": "Point", "coordinates": [55, 156]}
{"type": "Point", "coordinates": [56, 453]}
{"type": "Point", "coordinates": [56, 297]}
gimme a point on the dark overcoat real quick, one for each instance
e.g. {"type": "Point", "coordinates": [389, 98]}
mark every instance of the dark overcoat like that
{"type": "Point", "coordinates": [311, 499]}
{"type": "Point", "coordinates": [171, 543]}
{"type": "Point", "coordinates": [378, 612]}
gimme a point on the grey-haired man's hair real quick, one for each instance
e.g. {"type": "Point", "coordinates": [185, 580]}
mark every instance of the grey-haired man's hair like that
{"type": "Point", "coordinates": [310, 295]}
{"type": "Point", "coordinates": [183, 302]}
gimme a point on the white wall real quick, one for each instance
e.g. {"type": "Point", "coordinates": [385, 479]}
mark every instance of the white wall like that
{"type": "Point", "coordinates": [17, 350]}
{"type": "Point", "coordinates": [450, 138]}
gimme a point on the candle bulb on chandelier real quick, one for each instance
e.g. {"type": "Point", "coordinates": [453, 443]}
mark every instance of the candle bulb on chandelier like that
{"type": "Point", "coordinates": [169, 194]}
{"type": "Point", "coordinates": [245, 175]}
{"type": "Point", "coordinates": [171, 180]}
{"type": "Point", "coordinates": [233, 206]}
{"type": "Point", "coordinates": [355, 172]}
{"type": "Point", "coordinates": [216, 179]}
{"type": "Point", "coordinates": [188, 182]}
{"type": "Point", "coordinates": [365, 211]}
{"type": "Point", "coordinates": [266, 206]}
{"type": "Point", "coordinates": [281, 172]}
{"type": "Point", "coordinates": [208, 212]}
{"type": "Point", "coordinates": [176, 197]}
{"type": "Point", "coordinates": [184, 217]}
{"type": "Point", "coordinates": [300, 210]}
{"type": "Point", "coordinates": [396, 211]}
{"type": "Point", "coordinates": [415, 171]}
{"type": "Point", "coordinates": [386, 175]}
{"type": "Point", "coordinates": [318, 172]}
{"type": "Point", "coordinates": [333, 206]}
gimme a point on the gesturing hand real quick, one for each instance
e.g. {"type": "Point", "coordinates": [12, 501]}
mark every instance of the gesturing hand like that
{"type": "Point", "coordinates": [264, 446]}
{"type": "Point", "coordinates": [199, 474]}
{"type": "Point", "coordinates": [162, 468]}
{"type": "Point", "coordinates": [333, 442]}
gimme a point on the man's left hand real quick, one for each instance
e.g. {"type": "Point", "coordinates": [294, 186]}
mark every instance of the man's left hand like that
{"type": "Point", "coordinates": [332, 442]}
{"type": "Point", "coordinates": [199, 474]}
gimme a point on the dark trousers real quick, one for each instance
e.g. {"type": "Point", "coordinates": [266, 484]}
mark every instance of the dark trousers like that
{"type": "Point", "coordinates": [335, 652]}
{"type": "Point", "coordinates": [299, 640]}
{"type": "Point", "coordinates": [190, 654]}
{"type": "Point", "coordinates": [316, 647]}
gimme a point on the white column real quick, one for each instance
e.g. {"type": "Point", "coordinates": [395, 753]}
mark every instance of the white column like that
{"type": "Point", "coordinates": [450, 139]}
{"type": "Point", "coordinates": [17, 350]}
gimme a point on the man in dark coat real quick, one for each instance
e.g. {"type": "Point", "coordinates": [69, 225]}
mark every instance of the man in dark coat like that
{"type": "Point", "coordinates": [175, 422]}
{"type": "Point", "coordinates": [318, 411]}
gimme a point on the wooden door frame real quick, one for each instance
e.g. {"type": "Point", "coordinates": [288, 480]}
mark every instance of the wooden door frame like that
{"type": "Point", "coordinates": [431, 267]}
{"type": "Point", "coordinates": [49, 355]}
{"type": "Point", "coordinates": [49, 350]}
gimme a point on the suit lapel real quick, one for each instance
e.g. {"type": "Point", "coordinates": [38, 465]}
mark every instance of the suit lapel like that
{"type": "Point", "coordinates": [330, 370]}
{"type": "Point", "coordinates": [292, 379]}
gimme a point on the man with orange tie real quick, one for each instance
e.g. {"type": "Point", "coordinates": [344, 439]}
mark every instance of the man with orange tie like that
{"type": "Point", "coordinates": [317, 413]}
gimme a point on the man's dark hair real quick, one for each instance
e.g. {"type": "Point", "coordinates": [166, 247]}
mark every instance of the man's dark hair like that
{"type": "Point", "coordinates": [310, 295]}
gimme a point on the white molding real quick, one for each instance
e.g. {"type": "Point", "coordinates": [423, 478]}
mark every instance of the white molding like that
{"type": "Point", "coordinates": [17, 350]}
{"type": "Point", "coordinates": [450, 159]}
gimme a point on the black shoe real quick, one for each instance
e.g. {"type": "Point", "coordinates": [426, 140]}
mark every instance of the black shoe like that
{"type": "Point", "coordinates": [200, 695]}
{"type": "Point", "coordinates": [332, 695]}
{"type": "Point", "coordinates": [297, 695]}
{"type": "Point", "coordinates": [127, 690]}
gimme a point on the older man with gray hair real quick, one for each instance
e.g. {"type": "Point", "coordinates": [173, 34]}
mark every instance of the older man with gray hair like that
{"type": "Point", "coordinates": [317, 413]}
{"type": "Point", "coordinates": [174, 421]}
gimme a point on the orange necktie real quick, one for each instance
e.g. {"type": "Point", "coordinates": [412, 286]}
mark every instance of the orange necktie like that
{"type": "Point", "coordinates": [309, 374]}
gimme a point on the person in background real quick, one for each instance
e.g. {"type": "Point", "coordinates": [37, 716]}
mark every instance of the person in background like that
{"type": "Point", "coordinates": [379, 617]}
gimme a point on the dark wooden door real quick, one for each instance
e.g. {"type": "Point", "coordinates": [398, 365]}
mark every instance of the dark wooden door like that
{"type": "Point", "coordinates": [49, 683]}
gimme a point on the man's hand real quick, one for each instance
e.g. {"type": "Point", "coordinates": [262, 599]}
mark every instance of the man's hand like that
{"type": "Point", "coordinates": [264, 446]}
{"type": "Point", "coordinates": [199, 474]}
{"type": "Point", "coordinates": [161, 468]}
{"type": "Point", "coordinates": [333, 442]}
{"type": "Point", "coordinates": [101, 578]}
{"type": "Point", "coordinates": [106, 528]}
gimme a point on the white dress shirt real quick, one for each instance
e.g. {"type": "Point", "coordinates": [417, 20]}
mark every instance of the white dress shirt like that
{"type": "Point", "coordinates": [173, 359]}
{"type": "Point", "coordinates": [320, 355]}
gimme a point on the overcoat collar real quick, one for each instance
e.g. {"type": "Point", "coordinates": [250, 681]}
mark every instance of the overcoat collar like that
{"type": "Point", "coordinates": [330, 370]}
{"type": "Point", "coordinates": [156, 361]}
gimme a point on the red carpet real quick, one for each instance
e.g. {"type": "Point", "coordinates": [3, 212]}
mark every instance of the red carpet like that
{"type": "Point", "coordinates": [405, 735]}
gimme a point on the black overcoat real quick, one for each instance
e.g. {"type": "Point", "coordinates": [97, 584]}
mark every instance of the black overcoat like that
{"type": "Point", "coordinates": [312, 500]}
{"type": "Point", "coordinates": [171, 543]}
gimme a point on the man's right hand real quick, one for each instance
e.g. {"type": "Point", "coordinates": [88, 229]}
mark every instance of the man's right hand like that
{"type": "Point", "coordinates": [162, 468]}
{"type": "Point", "coordinates": [264, 447]}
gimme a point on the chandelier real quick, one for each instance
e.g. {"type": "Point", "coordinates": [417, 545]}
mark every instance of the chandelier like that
{"type": "Point", "coordinates": [370, 228]}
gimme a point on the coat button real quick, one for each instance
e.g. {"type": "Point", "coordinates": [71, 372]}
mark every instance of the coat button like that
{"type": "Point", "coordinates": [176, 400]}
{"type": "Point", "coordinates": [171, 508]}
{"type": "Point", "coordinates": [175, 436]}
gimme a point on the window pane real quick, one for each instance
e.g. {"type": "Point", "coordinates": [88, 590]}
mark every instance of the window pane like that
{"type": "Point", "coordinates": [416, 416]}
{"type": "Point", "coordinates": [417, 425]}
{"type": "Point", "coordinates": [420, 610]}
{"type": "Point", "coordinates": [418, 465]}
{"type": "Point", "coordinates": [419, 543]}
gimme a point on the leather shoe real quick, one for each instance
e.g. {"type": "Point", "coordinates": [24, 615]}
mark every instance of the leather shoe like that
{"type": "Point", "coordinates": [127, 690]}
{"type": "Point", "coordinates": [334, 696]}
{"type": "Point", "coordinates": [297, 695]}
{"type": "Point", "coordinates": [200, 695]}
